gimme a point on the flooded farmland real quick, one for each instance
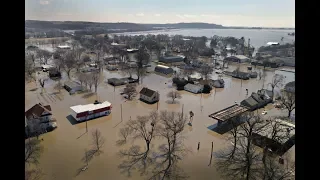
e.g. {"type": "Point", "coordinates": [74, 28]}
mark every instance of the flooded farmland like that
{"type": "Point", "coordinates": [65, 146]}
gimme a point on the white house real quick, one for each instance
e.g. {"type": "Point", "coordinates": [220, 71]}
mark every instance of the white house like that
{"type": "Point", "coordinates": [90, 111]}
{"type": "Point", "coordinates": [149, 95]}
{"type": "Point", "coordinates": [193, 88]}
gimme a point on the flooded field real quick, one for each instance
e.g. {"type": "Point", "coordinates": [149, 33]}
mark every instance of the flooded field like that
{"type": "Point", "coordinates": [65, 146]}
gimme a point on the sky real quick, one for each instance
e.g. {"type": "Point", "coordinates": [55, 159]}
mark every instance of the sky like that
{"type": "Point", "coordinates": [252, 13]}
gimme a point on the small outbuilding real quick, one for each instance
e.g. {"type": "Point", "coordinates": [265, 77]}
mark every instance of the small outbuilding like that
{"type": "Point", "coordinates": [171, 59]}
{"type": "Point", "coordinates": [63, 47]}
{"type": "Point", "coordinates": [148, 95]}
{"type": "Point", "coordinates": [238, 58]}
{"type": "Point", "coordinates": [72, 87]}
{"type": "Point", "coordinates": [163, 69]}
{"type": "Point", "coordinates": [194, 88]}
{"type": "Point", "coordinates": [218, 83]}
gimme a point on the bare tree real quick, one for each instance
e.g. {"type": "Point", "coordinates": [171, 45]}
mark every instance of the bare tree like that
{"type": "Point", "coordinates": [143, 58]}
{"type": "Point", "coordinates": [244, 164]}
{"type": "Point", "coordinates": [33, 174]}
{"type": "Point", "coordinates": [126, 69]}
{"type": "Point", "coordinates": [124, 133]}
{"type": "Point", "coordinates": [96, 81]}
{"type": "Point", "coordinates": [130, 90]}
{"type": "Point", "coordinates": [89, 81]}
{"type": "Point", "coordinates": [171, 126]}
{"type": "Point", "coordinates": [276, 82]}
{"type": "Point", "coordinates": [78, 53]}
{"type": "Point", "coordinates": [97, 140]}
{"type": "Point", "coordinates": [143, 128]}
{"type": "Point", "coordinates": [174, 95]}
{"type": "Point", "coordinates": [44, 55]}
{"type": "Point", "coordinates": [58, 86]}
{"type": "Point", "coordinates": [69, 63]}
{"type": "Point", "coordinates": [288, 100]}
{"type": "Point", "coordinates": [205, 71]}
{"type": "Point", "coordinates": [33, 150]}
{"type": "Point", "coordinates": [42, 83]}
{"type": "Point", "coordinates": [29, 69]}
{"type": "Point", "coordinates": [276, 171]}
{"type": "Point", "coordinates": [82, 77]}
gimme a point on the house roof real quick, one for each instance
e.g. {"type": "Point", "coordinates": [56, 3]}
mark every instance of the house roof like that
{"type": "Point", "coordinates": [193, 86]}
{"type": "Point", "coordinates": [290, 84]}
{"type": "Point", "coordinates": [229, 112]}
{"type": "Point", "coordinates": [37, 110]}
{"type": "Point", "coordinates": [147, 92]}
{"type": "Point", "coordinates": [90, 107]}
{"type": "Point", "coordinates": [250, 101]}
{"type": "Point", "coordinates": [265, 92]}
{"type": "Point", "coordinates": [256, 97]}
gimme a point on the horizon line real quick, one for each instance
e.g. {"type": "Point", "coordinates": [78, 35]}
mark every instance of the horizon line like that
{"type": "Point", "coordinates": [164, 23]}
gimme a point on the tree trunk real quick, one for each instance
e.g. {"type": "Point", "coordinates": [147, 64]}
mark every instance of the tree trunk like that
{"type": "Point", "coordinates": [289, 113]}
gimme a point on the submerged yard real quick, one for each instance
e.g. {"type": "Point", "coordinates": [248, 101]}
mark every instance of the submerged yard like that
{"type": "Point", "coordinates": [65, 146]}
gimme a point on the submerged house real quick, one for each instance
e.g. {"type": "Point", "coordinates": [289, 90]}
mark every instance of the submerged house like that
{"type": "Point", "coordinates": [258, 100]}
{"type": "Point", "coordinates": [194, 88]}
{"type": "Point", "coordinates": [38, 120]}
{"type": "Point", "coordinates": [72, 87]}
{"type": "Point", "coordinates": [238, 58]}
{"type": "Point", "coordinates": [279, 143]}
{"type": "Point", "coordinates": [54, 73]}
{"type": "Point", "coordinates": [218, 83]}
{"type": "Point", "coordinates": [163, 69]}
{"type": "Point", "coordinates": [290, 87]}
{"type": "Point", "coordinates": [240, 75]}
{"type": "Point", "coordinates": [90, 111]}
{"type": "Point", "coordinates": [148, 95]}
{"type": "Point", "coordinates": [171, 59]}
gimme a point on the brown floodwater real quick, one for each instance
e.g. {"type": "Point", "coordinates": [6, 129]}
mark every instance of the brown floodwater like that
{"type": "Point", "coordinates": [65, 146]}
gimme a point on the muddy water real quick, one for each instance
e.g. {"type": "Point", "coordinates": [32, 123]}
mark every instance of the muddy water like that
{"type": "Point", "coordinates": [65, 146]}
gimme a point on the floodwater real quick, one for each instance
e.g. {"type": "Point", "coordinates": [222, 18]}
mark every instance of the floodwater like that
{"type": "Point", "coordinates": [65, 146]}
{"type": "Point", "coordinates": [257, 37]}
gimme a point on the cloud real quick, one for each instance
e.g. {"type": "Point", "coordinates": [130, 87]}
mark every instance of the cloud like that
{"type": "Point", "coordinates": [44, 2]}
{"type": "Point", "coordinates": [157, 15]}
{"type": "Point", "coordinates": [180, 16]}
{"type": "Point", "coordinates": [189, 16]}
{"type": "Point", "coordinates": [64, 14]}
{"type": "Point", "coordinates": [140, 14]}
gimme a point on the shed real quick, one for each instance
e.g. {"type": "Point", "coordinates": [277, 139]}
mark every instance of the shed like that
{"type": "Point", "coordinates": [72, 87]}
{"type": "Point", "coordinates": [163, 69]}
{"type": "Point", "coordinates": [218, 83]}
{"type": "Point", "coordinates": [193, 88]}
{"type": "Point", "coordinates": [171, 59]}
{"type": "Point", "coordinates": [238, 58]}
{"type": "Point", "coordinates": [253, 74]}
{"type": "Point", "coordinates": [149, 95]}
{"type": "Point", "coordinates": [117, 82]}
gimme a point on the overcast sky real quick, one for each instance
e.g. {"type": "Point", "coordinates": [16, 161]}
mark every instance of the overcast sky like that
{"type": "Point", "coordinates": [262, 13]}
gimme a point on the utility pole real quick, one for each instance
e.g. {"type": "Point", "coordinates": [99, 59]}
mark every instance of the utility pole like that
{"type": "Point", "coordinates": [121, 111]}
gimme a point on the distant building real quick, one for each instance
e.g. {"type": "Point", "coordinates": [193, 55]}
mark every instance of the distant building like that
{"type": "Point", "coordinates": [218, 83]}
{"type": "Point", "coordinates": [194, 88]}
{"type": "Point", "coordinates": [273, 43]}
{"type": "Point", "coordinates": [63, 47]}
{"type": "Point", "coordinates": [90, 111]}
{"type": "Point", "coordinates": [163, 69]}
{"type": "Point", "coordinates": [238, 58]}
{"type": "Point", "coordinates": [149, 95]}
{"type": "Point", "coordinates": [171, 59]}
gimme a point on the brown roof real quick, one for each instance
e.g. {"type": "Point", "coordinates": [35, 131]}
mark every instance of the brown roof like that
{"type": "Point", "coordinates": [147, 92]}
{"type": "Point", "coordinates": [37, 110]}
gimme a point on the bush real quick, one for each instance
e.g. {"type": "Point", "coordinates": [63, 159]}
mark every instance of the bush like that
{"type": "Point", "coordinates": [206, 89]}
